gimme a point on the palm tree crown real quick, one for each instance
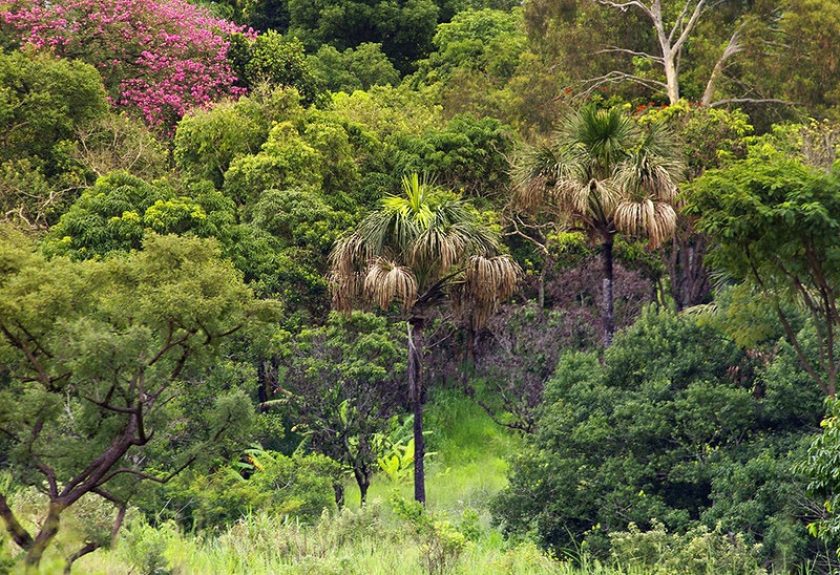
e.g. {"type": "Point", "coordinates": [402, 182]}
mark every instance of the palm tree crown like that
{"type": "Point", "coordinates": [604, 174]}
{"type": "Point", "coordinates": [418, 248]}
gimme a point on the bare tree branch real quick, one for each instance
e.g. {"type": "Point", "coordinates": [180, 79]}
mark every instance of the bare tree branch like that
{"type": "Point", "coordinates": [726, 101]}
{"type": "Point", "coordinates": [619, 50]}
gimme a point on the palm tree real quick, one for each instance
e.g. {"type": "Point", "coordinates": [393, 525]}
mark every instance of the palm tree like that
{"type": "Point", "coordinates": [420, 250]}
{"type": "Point", "coordinates": [604, 174]}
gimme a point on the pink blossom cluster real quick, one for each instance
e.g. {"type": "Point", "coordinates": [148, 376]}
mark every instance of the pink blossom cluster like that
{"type": "Point", "coordinates": [161, 57]}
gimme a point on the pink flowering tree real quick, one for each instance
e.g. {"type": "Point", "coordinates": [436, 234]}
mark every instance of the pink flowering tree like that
{"type": "Point", "coordinates": [158, 57]}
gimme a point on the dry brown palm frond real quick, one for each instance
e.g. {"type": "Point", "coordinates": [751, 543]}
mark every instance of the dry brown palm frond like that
{"type": "Point", "coordinates": [537, 172]}
{"type": "Point", "coordinates": [488, 281]}
{"type": "Point", "coordinates": [346, 261]}
{"type": "Point", "coordinates": [345, 290]}
{"type": "Point", "coordinates": [643, 180]}
{"type": "Point", "coordinates": [531, 194]}
{"type": "Point", "coordinates": [661, 184]}
{"type": "Point", "coordinates": [348, 255]}
{"type": "Point", "coordinates": [386, 282]}
{"type": "Point", "coordinates": [444, 247]}
{"type": "Point", "coordinates": [646, 218]}
{"type": "Point", "coordinates": [592, 199]}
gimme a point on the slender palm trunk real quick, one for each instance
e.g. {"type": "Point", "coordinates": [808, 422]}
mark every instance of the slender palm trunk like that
{"type": "Point", "coordinates": [608, 312]}
{"type": "Point", "coordinates": [415, 385]}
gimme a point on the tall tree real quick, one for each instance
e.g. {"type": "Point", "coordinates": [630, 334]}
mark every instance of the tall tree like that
{"type": "Point", "coordinates": [673, 26]}
{"type": "Point", "coordinates": [423, 249]}
{"type": "Point", "coordinates": [773, 220]}
{"type": "Point", "coordinates": [603, 175]}
{"type": "Point", "coordinates": [103, 369]}
{"type": "Point", "coordinates": [157, 59]}
{"type": "Point", "coordinates": [714, 53]}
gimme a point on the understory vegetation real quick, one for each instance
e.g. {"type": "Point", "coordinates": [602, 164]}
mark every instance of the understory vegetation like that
{"type": "Point", "coordinates": [426, 287]}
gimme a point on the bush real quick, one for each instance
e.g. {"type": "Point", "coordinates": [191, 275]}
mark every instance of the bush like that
{"type": "Point", "coordinates": [670, 427]}
{"type": "Point", "coordinates": [441, 543]}
{"type": "Point", "coordinates": [697, 552]}
{"type": "Point", "coordinates": [298, 486]}
{"type": "Point", "coordinates": [144, 547]}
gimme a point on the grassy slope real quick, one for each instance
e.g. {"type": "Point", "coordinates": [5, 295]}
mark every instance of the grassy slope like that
{"type": "Point", "coordinates": [468, 467]}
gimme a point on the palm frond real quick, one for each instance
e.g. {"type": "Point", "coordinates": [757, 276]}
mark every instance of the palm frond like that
{"type": "Point", "coordinates": [646, 218]}
{"type": "Point", "coordinates": [387, 282]}
{"type": "Point", "coordinates": [487, 282]}
{"type": "Point", "coordinates": [347, 259]}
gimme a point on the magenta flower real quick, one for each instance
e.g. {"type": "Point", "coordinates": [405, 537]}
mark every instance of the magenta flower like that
{"type": "Point", "coordinates": [158, 57]}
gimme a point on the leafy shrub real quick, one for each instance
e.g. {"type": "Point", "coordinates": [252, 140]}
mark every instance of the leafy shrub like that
{"type": "Point", "coordinates": [441, 543]}
{"type": "Point", "coordinates": [298, 486]}
{"type": "Point", "coordinates": [144, 547]}
{"type": "Point", "coordinates": [697, 552]}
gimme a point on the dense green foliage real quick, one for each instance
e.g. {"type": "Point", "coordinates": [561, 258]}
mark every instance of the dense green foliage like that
{"type": "Point", "coordinates": [676, 426]}
{"type": "Point", "coordinates": [562, 271]}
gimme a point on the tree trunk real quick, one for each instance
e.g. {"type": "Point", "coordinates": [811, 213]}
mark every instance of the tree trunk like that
{"type": "Point", "coordinates": [672, 78]}
{"type": "Point", "coordinates": [338, 489]}
{"type": "Point", "coordinates": [46, 535]}
{"type": "Point", "coordinates": [607, 292]}
{"type": "Point", "coordinates": [363, 481]}
{"type": "Point", "coordinates": [87, 549]}
{"type": "Point", "coordinates": [468, 357]}
{"type": "Point", "coordinates": [118, 522]}
{"type": "Point", "coordinates": [415, 386]}
{"type": "Point", "coordinates": [262, 386]}
{"type": "Point", "coordinates": [690, 282]}
{"type": "Point", "coordinates": [731, 49]}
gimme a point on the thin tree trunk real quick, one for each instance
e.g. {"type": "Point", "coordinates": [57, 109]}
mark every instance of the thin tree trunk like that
{"type": "Point", "coordinates": [363, 481]}
{"type": "Point", "coordinates": [262, 386]}
{"type": "Point", "coordinates": [415, 385]}
{"type": "Point", "coordinates": [468, 357]}
{"type": "Point", "coordinates": [338, 490]}
{"type": "Point", "coordinates": [118, 523]}
{"type": "Point", "coordinates": [690, 282]}
{"type": "Point", "coordinates": [608, 313]}
{"type": "Point", "coordinates": [541, 287]}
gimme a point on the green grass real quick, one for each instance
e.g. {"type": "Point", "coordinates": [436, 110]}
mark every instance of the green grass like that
{"type": "Point", "coordinates": [468, 461]}
{"type": "Point", "coordinates": [467, 467]}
